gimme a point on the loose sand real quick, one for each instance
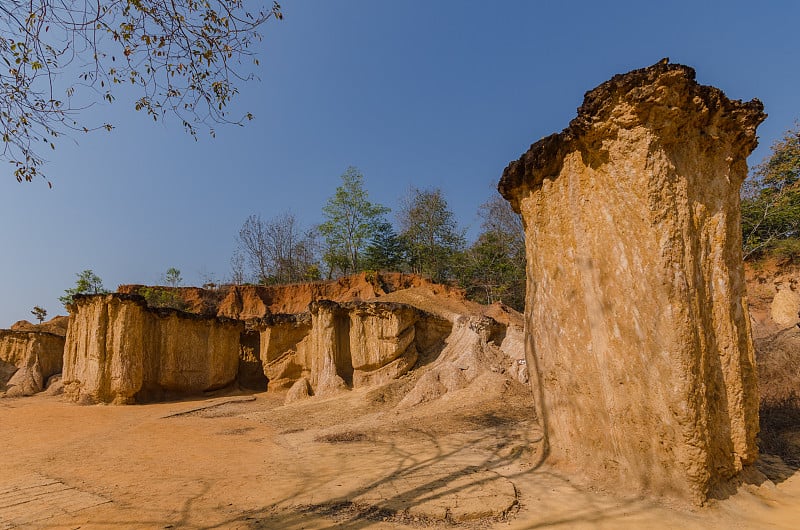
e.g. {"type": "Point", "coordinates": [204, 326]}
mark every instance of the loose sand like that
{"type": "Point", "coordinates": [469, 459]}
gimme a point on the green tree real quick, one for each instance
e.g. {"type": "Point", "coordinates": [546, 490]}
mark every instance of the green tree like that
{"type": "Point", "coordinates": [430, 233]}
{"type": "Point", "coordinates": [173, 277]}
{"type": "Point", "coordinates": [386, 250]}
{"type": "Point", "coordinates": [88, 283]}
{"type": "Point", "coordinates": [771, 200]}
{"type": "Point", "coordinates": [39, 312]}
{"type": "Point", "coordinates": [493, 268]}
{"type": "Point", "coordinates": [351, 220]}
{"type": "Point", "coordinates": [163, 298]}
{"type": "Point", "coordinates": [185, 57]}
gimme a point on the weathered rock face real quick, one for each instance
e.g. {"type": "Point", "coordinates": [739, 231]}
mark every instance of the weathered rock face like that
{"type": "Point", "coordinates": [382, 342]}
{"type": "Point", "coordinates": [286, 349]}
{"type": "Point", "coordinates": [636, 312]}
{"type": "Point", "coordinates": [244, 302]}
{"type": "Point", "coordinates": [773, 295]}
{"type": "Point", "coordinates": [335, 346]}
{"type": "Point", "coordinates": [120, 351]}
{"type": "Point", "coordinates": [27, 360]}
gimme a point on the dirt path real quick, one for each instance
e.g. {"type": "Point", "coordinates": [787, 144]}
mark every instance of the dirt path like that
{"type": "Point", "coordinates": [351, 462]}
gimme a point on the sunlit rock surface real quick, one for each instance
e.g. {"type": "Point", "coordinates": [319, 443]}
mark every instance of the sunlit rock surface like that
{"type": "Point", "coordinates": [636, 312]}
{"type": "Point", "coordinates": [120, 351]}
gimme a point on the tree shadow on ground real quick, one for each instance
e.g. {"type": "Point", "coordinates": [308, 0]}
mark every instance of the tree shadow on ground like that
{"type": "Point", "coordinates": [436, 479]}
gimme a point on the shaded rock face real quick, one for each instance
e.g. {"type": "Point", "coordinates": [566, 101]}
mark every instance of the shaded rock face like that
{"type": "Point", "coordinates": [636, 312]}
{"type": "Point", "coordinates": [773, 294]}
{"type": "Point", "coordinates": [27, 360]}
{"type": "Point", "coordinates": [286, 349]}
{"type": "Point", "coordinates": [119, 351]}
{"type": "Point", "coordinates": [251, 374]}
{"type": "Point", "coordinates": [382, 342]}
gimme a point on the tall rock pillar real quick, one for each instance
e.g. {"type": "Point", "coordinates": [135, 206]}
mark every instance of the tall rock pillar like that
{"type": "Point", "coordinates": [636, 312]}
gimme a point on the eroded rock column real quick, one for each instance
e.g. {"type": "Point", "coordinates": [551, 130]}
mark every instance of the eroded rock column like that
{"type": "Point", "coordinates": [636, 312]}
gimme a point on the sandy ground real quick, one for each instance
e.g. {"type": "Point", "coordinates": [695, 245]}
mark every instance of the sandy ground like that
{"type": "Point", "coordinates": [467, 460]}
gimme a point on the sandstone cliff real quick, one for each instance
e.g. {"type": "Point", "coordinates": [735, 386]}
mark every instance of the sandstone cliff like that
{"type": "Point", "coordinates": [636, 309]}
{"type": "Point", "coordinates": [336, 346]}
{"type": "Point", "coordinates": [27, 360]}
{"type": "Point", "coordinates": [119, 350]}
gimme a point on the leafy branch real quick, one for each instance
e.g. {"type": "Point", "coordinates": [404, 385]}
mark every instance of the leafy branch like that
{"type": "Point", "coordinates": [58, 57]}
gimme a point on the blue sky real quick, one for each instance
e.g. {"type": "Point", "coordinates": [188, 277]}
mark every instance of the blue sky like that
{"type": "Point", "coordinates": [415, 93]}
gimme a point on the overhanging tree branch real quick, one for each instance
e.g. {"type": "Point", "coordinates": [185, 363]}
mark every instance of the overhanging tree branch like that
{"type": "Point", "coordinates": [186, 57]}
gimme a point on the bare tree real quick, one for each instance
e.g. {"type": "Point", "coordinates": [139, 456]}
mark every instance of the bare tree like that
{"type": "Point", "coordinates": [238, 275]}
{"type": "Point", "coordinates": [498, 217]}
{"type": "Point", "coordinates": [277, 250]}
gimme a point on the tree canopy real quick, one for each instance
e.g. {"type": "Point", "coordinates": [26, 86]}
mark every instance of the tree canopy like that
{"type": "Point", "coordinates": [351, 220]}
{"type": "Point", "coordinates": [386, 251]}
{"type": "Point", "coordinates": [39, 312]}
{"type": "Point", "coordinates": [87, 283]}
{"type": "Point", "coordinates": [493, 268]}
{"type": "Point", "coordinates": [771, 201]}
{"type": "Point", "coordinates": [173, 277]}
{"type": "Point", "coordinates": [430, 233]}
{"type": "Point", "coordinates": [185, 58]}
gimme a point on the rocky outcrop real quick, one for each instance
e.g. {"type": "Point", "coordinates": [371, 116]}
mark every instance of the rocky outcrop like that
{"type": "Point", "coordinates": [56, 326]}
{"type": "Point", "coordinates": [334, 347]}
{"type": "Point", "coordinates": [120, 351]}
{"type": "Point", "coordinates": [636, 309]}
{"type": "Point", "coordinates": [773, 292]}
{"type": "Point", "coordinates": [245, 302]}
{"type": "Point", "coordinates": [27, 360]}
{"type": "Point", "coordinates": [286, 348]}
{"type": "Point", "coordinates": [382, 342]}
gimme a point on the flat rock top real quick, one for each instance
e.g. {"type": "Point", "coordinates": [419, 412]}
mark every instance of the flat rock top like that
{"type": "Point", "coordinates": [627, 100]}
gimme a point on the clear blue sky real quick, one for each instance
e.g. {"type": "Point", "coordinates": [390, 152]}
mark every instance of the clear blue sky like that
{"type": "Point", "coordinates": [423, 93]}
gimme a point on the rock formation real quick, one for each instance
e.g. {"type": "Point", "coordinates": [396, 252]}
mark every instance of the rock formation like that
{"type": "Point", "coordinates": [244, 302]}
{"type": "Point", "coordinates": [285, 348]}
{"type": "Point", "coordinates": [773, 294]}
{"type": "Point", "coordinates": [56, 326]}
{"type": "Point", "coordinates": [338, 346]}
{"type": "Point", "coordinates": [119, 351]}
{"type": "Point", "coordinates": [27, 360]}
{"type": "Point", "coordinates": [636, 311]}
